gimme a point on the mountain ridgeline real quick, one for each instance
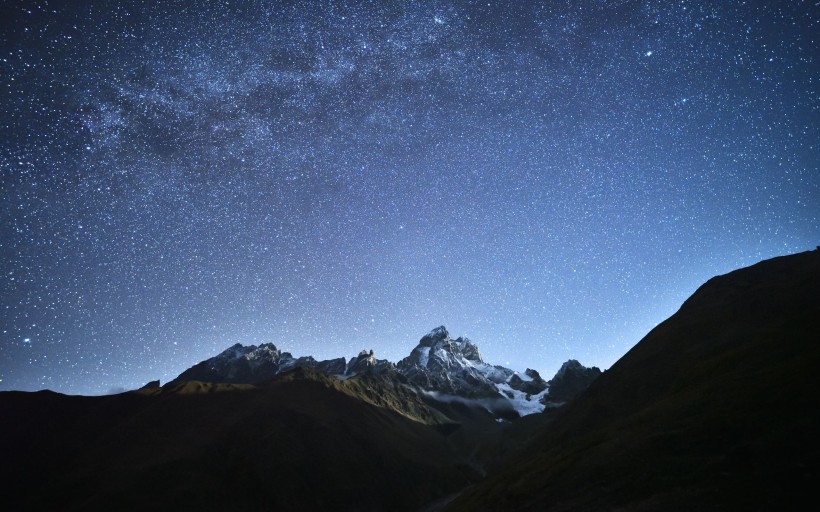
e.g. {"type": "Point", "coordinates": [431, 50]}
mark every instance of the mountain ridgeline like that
{"type": "Point", "coordinates": [437, 366]}
{"type": "Point", "coordinates": [714, 409]}
{"type": "Point", "coordinates": [256, 428]}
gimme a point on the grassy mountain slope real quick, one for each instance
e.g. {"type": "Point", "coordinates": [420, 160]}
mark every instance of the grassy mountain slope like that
{"type": "Point", "coordinates": [299, 442]}
{"type": "Point", "coordinates": [715, 408]}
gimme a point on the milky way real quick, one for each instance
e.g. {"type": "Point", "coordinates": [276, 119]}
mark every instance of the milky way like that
{"type": "Point", "coordinates": [549, 179]}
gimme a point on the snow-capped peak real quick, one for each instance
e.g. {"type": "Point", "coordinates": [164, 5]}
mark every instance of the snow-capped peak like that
{"type": "Point", "coordinates": [263, 352]}
{"type": "Point", "coordinates": [438, 364]}
{"type": "Point", "coordinates": [451, 366]}
{"type": "Point", "coordinates": [435, 335]}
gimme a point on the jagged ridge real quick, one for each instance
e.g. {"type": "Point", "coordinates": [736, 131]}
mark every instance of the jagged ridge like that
{"type": "Point", "coordinates": [438, 365]}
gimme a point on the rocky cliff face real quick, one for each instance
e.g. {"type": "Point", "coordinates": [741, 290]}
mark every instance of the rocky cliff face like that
{"type": "Point", "coordinates": [451, 366]}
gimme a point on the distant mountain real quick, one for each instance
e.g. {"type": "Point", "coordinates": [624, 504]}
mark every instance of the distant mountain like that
{"type": "Point", "coordinates": [241, 364]}
{"type": "Point", "coordinates": [715, 409]}
{"type": "Point", "coordinates": [439, 366]}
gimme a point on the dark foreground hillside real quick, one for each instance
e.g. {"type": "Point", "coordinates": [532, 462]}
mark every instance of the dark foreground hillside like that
{"type": "Point", "coordinates": [301, 442]}
{"type": "Point", "coordinates": [715, 409]}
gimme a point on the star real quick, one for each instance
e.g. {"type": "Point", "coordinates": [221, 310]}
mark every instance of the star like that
{"type": "Point", "coordinates": [176, 181]}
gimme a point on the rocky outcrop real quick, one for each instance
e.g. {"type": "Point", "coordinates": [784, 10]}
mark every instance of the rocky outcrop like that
{"type": "Point", "coordinates": [367, 362]}
{"type": "Point", "coordinates": [531, 383]}
{"type": "Point", "coordinates": [570, 381]}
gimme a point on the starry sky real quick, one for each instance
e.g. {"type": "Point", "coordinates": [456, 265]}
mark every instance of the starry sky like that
{"type": "Point", "coordinates": [550, 179]}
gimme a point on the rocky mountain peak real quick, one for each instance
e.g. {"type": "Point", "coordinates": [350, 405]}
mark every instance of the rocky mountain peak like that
{"type": "Point", "coordinates": [437, 335]}
{"type": "Point", "coordinates": [361, 363]}
{"type": "Point", "coordinates": [534, 375]}
{"type": "Point", "coordinates": [446, 365]}
{"type": "Point", "coordinates": [570, 380]}
{"type": "Point", "coordinates": [265, 351]}
{"type": "Point", "coordinates": [437, 348]}
{"type": "Point", "coordinates": [572, 365]}
{"type": "Point", "coordinates": [242, 364]}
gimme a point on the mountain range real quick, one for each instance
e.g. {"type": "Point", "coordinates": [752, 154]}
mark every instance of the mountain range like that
{"type": "Point", "coordinates": [438, 366]}
{"type": "Point", "coordinates": [714, 409]}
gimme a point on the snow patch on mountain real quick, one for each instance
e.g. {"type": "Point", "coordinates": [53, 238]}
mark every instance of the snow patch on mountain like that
{"type": "Point", "coordinates": [424, 356]}
{"type": "Point", "coordinates": [522, 402]}
{"type": "Point", "coordinates": [522, 376]}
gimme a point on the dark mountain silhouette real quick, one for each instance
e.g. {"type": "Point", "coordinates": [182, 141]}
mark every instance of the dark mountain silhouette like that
{"type": "Point", "coordinates": [302, 441]}
{"type": "Point", "coordinates": [570, 380]}
{"type": "Point", "coordinates": [715, 409]}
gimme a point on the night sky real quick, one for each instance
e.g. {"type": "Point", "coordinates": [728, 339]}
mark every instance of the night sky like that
{"type": "Point", "coordinates": [550, 179]}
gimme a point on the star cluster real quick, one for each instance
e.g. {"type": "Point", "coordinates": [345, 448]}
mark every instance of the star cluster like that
{"type": "Point", "coordinates": [550, 179]}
